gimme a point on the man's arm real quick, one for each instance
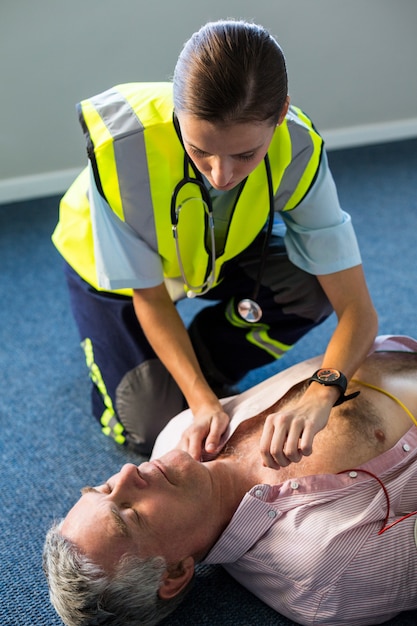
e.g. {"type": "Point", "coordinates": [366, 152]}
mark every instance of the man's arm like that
{"type": "Point", "coordinates": [168, 337]}
{"type": "Point", "coordinates": [288, 434]}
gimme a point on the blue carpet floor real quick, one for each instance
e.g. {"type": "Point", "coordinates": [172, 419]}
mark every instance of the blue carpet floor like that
{"type": "Point", "coordinates": [49, 444]}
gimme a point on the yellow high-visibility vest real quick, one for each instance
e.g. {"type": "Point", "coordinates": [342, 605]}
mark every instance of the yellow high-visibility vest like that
{"type": "Point", "coordinates": [137, 159]}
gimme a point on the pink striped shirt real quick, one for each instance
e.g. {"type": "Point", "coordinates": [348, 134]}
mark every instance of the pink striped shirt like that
{"type": "Point", "coordinates": [310, 547]}
{"type": "Point", "coordinates": [311, 550]}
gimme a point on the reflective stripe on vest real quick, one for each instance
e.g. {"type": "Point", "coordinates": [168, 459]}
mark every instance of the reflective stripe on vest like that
{"type": "Point", "coordinates": [111, 427]}
{"type": "Point", "coordinates": [257, 333]}
{"type": "Point", "coordinates": [137, 159]}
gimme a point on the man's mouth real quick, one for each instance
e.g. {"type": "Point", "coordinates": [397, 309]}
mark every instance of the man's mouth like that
{"type": "Point", "coordinates": [155, 464]}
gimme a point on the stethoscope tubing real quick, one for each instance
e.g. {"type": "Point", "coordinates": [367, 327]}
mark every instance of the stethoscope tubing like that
{"type": "Point", "coordinates": [194, 290]}
{"type": "Point", "coordinates": [199, 290]}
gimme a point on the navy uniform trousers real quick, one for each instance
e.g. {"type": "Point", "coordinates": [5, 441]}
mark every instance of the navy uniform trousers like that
{"type": "Point", "coordinates": [133, 395]}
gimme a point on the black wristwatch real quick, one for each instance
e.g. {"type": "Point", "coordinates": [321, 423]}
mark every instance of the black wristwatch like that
{"type": "Point", "coordinates": [333, 378]}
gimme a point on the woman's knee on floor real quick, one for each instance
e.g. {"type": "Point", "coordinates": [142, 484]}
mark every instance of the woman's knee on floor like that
{"type": "Point", "coordinates": [147, 397]}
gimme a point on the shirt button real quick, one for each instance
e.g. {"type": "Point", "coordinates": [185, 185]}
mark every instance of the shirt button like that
{"type": "Point", "coordinates": [406, 447]}
{"type": "Point", "coordinates": [294, 484]}
{"type": "Point", "coordinates": [353, 474]}
{"type": "Point", "coordinates": [259, 493]}
{"type": "Point", "coordinates": [272, 514]}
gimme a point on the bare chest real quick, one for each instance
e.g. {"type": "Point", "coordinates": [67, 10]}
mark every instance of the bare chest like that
{"type": "Point", "coordinates": [356, 432]}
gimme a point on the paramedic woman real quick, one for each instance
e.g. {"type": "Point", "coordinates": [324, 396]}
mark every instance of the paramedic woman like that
{"type": "Point", "coordinates": [181, 196]}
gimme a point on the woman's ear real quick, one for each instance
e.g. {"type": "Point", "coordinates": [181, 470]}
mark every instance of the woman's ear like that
{"type": "Point", "coordinates": [176, 578]}
{"type": "Point", "coordinates": [284, 111]}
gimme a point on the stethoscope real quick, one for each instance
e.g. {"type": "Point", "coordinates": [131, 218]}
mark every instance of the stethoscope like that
{"type": "Point", "coordinates": [248, 309]}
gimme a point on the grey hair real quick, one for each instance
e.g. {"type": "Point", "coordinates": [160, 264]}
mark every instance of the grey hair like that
{"type": "Point", "coordinates": [83, 594]}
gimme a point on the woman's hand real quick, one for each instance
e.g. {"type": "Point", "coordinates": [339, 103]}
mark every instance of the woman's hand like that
{"type": "Point", "coordinates": [204, 434]}
{"type": "Point", "coordinates": [288, 434]}
{"type": "Point", "coordinates": [169, 338]}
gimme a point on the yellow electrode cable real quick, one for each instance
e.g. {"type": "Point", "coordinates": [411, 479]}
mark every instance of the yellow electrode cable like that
{"type": "Point", "coordinates": [390, 395]}
{"type": "Point", "coordinates": [386, 526]}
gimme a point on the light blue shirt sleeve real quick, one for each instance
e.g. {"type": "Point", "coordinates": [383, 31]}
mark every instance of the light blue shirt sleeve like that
{"type": "Point", "coordinates": [319, 236]}
{"type": "Point", "coordinates": [123, 259]}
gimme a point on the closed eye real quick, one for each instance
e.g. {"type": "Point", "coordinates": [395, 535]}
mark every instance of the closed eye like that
{"type": "Point", "coordinates": [106, 489]}
{"type": "Point", "coordinates": [137, 516]}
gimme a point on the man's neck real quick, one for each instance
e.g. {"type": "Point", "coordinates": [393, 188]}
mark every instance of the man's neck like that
{"type": "Point", "coordinates": [238, 467]}
{"type": "Point", "coordinates": [231, 480]}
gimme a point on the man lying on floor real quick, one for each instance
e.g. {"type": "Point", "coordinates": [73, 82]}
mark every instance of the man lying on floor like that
{"type": "Point", "coordinates": [328, 540]}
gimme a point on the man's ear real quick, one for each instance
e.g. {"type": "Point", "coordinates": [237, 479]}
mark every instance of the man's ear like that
{"type": "Point", "coordinates": [176, 578]}
{"type": "Point", "coordinates": [284, 111]}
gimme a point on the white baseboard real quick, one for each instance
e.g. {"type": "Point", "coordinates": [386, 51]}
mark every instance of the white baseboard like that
{"type": "Point", "coordinates": [55, 183]}
{"type": "Point", "coordinates": [355, 136]}
{"type": "Point", "coordinates": [36, 186]}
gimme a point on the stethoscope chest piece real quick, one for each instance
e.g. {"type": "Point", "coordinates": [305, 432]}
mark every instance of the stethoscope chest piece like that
{"type": "Point", "coordinates": [249, 310]}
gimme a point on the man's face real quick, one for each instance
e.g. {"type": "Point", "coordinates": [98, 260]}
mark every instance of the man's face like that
{"type": "Point", "coordinates": [163, 507]}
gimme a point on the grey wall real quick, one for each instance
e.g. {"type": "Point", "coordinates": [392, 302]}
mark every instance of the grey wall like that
{"type": "Point", "coordinates": [351, 64]}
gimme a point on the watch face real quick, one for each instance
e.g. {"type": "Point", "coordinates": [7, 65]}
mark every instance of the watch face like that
{"type": "Point", "coordinates": [328, 375]}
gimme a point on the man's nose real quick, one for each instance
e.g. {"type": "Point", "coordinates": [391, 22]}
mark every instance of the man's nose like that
{"type": "Point", "coordinates": [127, 479]}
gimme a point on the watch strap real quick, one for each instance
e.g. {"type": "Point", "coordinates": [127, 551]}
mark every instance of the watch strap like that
{"type": "Point", "coordinates": [340, 382]}
{"type": "Point", "coordinates": [344, 398]}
